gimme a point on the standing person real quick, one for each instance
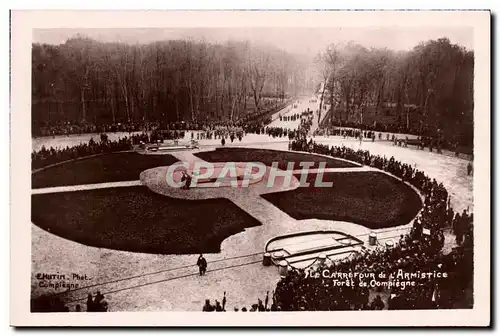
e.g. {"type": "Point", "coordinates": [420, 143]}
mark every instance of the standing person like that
{"type": "Point", "coordinates": [183, 180]}
{"type": "Point", "coordinates": [469, 168]}
{"type": "Point", "coordinates": [218, 307]}
{"type": "Point", "coordinates": [456, 227]}
{"type": "Point", "coordinates": [202, 264]}
{"type": "Point", "coordinates": [224, 302]}
{"type": "Point", "coordinates": [188, 181]}
{"type": "Point", "coordinates": [260, 305]}
{"type": "Point", "coordinates": [103, 306]}
{"type": "Point", "coordinates": [223, 141]}
{"type": "Point", "coordinates": [97, 300]}
{"type": "Point", "coordinates": [90, 303]}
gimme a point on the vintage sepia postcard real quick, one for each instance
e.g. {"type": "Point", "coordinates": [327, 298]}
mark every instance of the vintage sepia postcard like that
{"type": "Point", "coordinates": [250, 168]}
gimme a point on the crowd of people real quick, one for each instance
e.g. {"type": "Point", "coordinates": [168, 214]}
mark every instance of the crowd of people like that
{"type": "Point", "coordinates": [380, 127]}
{"type": "Point", "coordinates": [261, 116]}
{"type": "Point", "coordinates": [420, 250]}
{"type": "Point", "coordinates": [48, 156]}
{"type": "Point", "coordinates": [296, 116]}
{"type": "Point", "coordinates": [398, 137]}
{"type": "Point", "coordinates": [305, 118]}
{"type": "Point", "coordinates": [68, 128]}
{"type": "Point", "coordinates": [54, 304]}
{"type": "Point", "coordinates": [280, 132]}
{"type": "Point", "coordinates": [230, 132]}
{"type": "Point", "coordinates": [349, 133]}
{"type": "Point", "coordinates": [268, 304]}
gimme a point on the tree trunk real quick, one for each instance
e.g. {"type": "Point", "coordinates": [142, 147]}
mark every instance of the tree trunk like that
{"type": "Point", "coordinates": [84, 108]}
{"type": "Point", "coordinates": [321, 102]}
{"type": "Point", "coordinates": [256, 100]}
{"type": "Point", "coordinates": [177, 108]}
{"type": "Point", "coordinates": [113, 108]}
{"type": "Point", "coordinates": [191, 103]}
{"type": "Point", "coordinates": [332, 89]}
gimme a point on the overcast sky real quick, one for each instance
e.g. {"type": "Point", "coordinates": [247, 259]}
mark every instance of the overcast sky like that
{"type": "Point", "coordinates": [303, 40]}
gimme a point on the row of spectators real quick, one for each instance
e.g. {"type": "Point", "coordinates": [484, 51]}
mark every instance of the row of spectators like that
{"type": "Point", "coordinates": [422, 141]}
{"type": "Point", "coordinates": [48, 156]}
{"type": "Point", "coordinates": [268, 106]}
{"type": "Point", "coordinates": [263, 115]}
{"type": "Point", "coordinates": [67, 128]}
{"type": "Point", "coordinates": [282, 132]}
{"type": "Point", "coordinates": [296, 116]}
{"type": "Point", "coordinates": [379, 127]}
{"type": "Point", "coordinates": [257, 122]}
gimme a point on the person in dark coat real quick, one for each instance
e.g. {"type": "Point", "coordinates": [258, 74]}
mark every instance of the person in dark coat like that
{"type": "Point", "coordinates": [469, 168]}
{"type": "Point", "coordinates": [90, 303]}
{"type": "Point", "coordinates": [224, 302]}
{"type": "Point", "coordinates": [218, 307]}
{"type": "Point", "coordinates": [208, 307]}
{"type": "Point", "coordinates": [183, 180]}
{"type": "Point", "coordinates": [202, 264]}
{"type": "Point", "coordinates": [98, 306]}
{"type": "Point", "coordinates": [260, 305]}
{"type": "Point", "coordinates": [188, 181]}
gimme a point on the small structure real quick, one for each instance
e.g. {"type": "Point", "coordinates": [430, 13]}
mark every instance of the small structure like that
{"type": "Point", "coordinates": [266, 261]}
{"type": "Point", "coordinates": [303, 249]}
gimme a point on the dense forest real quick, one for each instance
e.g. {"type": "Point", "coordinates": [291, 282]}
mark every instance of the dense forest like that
{"type": "Point", "coordinates": [86, 81]}
{"type": "Point", "coordinates": [430, 88]}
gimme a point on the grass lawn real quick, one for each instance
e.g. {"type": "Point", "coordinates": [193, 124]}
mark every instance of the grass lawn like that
{"type": "Point", "coordinates": [371, 199]}
{"type": "Point", "coordinates": [103, 168]}
{"type": "Point", "coordinates": [136, 219]}
{"type": "Point", "coordinates": [267, 157]}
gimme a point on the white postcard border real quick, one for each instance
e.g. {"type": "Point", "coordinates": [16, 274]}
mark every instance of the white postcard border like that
{"type": "Point", "coordinates": [20, 235]}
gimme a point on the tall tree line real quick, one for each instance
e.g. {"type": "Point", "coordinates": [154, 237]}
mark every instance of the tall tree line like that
{"type": "Point", "coordinates": [430, 88]}
{"type": "Point", "coordinates": [87, 81]}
